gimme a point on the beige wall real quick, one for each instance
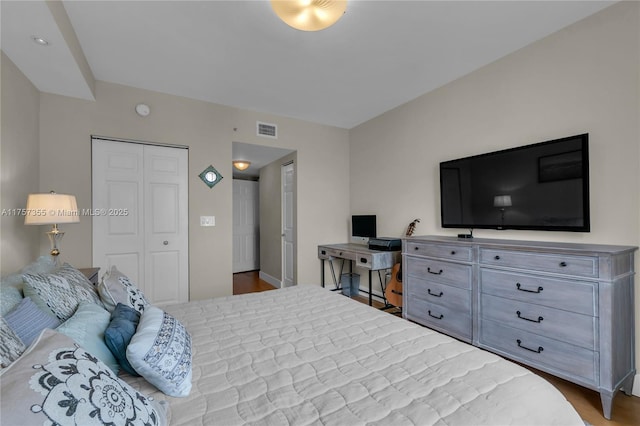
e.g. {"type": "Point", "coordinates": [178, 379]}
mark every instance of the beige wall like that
{"type": "Point", "coordinates": [20, 173]}
{"type": "Point", "coordinates": [66, 125]}
{"type": "Point", "coordinates": [271, 217]}
{"type": "Point", "coordinates": [581, 79]}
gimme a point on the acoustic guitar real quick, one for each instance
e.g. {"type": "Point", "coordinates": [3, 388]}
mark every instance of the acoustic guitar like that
{"type": "Point", "coordinates": [393, 292]}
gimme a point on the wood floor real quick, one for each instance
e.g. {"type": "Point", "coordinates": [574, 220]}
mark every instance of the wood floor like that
{"type": "Point", "coordinates": [626, 409]}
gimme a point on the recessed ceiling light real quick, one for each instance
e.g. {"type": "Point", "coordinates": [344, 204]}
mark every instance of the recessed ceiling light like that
{"type": "Point", "coordinates": [39, 40]}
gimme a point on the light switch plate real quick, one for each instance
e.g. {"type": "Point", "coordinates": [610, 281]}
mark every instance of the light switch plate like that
{"type": "Point", "coordinates": [207, 221]}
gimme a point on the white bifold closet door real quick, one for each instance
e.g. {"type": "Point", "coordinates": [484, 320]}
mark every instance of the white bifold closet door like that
{"type": "Point", "coordinates": [140, 216]}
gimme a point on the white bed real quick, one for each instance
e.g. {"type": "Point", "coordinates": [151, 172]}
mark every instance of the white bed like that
{"type": "Point", "coordinates": [305, 355]}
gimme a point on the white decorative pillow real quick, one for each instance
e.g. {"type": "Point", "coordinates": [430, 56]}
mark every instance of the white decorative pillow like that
{"type": "Point", "coordinates": [11, 347]}
{"type": "Point", "coordinates": [57, 382]}
{"type": "Point", "coordinates": [60, 291]}
{"type": "Point", "coordinates": [116, 288]}
{"type": "Point", "coordinates": [160, 351]}
{"type": "Point", "coordinates": [11, 285]}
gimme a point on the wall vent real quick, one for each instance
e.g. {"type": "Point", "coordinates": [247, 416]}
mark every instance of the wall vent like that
{"type": "Point", "coordinates": [267, 130]}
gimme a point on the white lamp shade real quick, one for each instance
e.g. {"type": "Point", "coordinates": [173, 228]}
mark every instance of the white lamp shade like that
{"type": "Point", "coordinates": [502, 201]}
{"type": "Point", "coordinates": [52, 208]}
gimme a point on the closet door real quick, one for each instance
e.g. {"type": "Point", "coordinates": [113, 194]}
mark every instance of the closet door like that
{"type": "Point", "coordinates": [117, 188]}
{"type": "Point", "coordinates": [144, 191]}
{"type": "Point", "coordinates": [166, 224]}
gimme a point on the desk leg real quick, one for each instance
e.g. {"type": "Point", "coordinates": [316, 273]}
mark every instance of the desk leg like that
{"type": "Point", "coordinates": [322, 272]}
{"type": "Point", "coordinates": [370, 290]}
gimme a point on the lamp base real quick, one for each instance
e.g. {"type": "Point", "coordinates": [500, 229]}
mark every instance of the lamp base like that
{"type": "Point", "coordinates": [55, 236]}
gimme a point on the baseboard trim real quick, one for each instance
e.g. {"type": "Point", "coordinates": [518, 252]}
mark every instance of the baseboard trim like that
{"type": "Point", "coordinates": [271, 280]}
{"type": "Point", "coordinates": [636, 385]}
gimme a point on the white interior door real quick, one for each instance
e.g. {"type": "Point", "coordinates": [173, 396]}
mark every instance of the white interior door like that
{"type": "Point", "coordinates": [246, 226]}
{"type": "Point", "coordinates": [146, 187]}
{"type": "Point", "coordinates": [166, 224]}
{"type": "Point", "coordinates": [288, 229]}
{"type": "Point", "coordinates": [117, 187]}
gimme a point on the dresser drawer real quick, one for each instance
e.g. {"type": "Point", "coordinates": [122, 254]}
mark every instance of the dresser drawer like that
{"type": "Point", "coordinates": [454, 274]}
{"type": "Point", "coordinates": [449, 252]}
{"type": "Point", "coordinates": [451, 297]}
{"type": "Point", "coordinates": [439, 317]}
{"type": "Point", "coordinates": [569, 327]}
{"type": "Point", "coordinates": [582, 266]}
{"type": "Point", "coordinates": [543, 352]}
{"type": "Point", "coordinates": [573, 296]}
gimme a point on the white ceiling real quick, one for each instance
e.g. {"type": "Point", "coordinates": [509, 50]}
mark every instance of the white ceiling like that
{"type": "Point", "coordinates": [381, 54]}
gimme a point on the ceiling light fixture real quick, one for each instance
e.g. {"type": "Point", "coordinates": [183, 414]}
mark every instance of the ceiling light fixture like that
{"type": "Point", "coordinates": [40, 40]}
{"type": "Point", "coordinates": [241, 164]}
{"type": "Point", "coordinates": [309, 15]}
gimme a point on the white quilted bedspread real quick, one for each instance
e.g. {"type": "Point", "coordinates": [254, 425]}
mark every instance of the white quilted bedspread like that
{"type": "Point", "coordinates": [305, 355]}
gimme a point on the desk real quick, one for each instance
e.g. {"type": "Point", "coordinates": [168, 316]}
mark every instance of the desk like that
{"type": "Point", "coordinates": [372, 260]}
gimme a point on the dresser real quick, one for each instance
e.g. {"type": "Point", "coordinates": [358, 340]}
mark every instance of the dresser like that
{"type": "Point", "coordinates": [567, 309]}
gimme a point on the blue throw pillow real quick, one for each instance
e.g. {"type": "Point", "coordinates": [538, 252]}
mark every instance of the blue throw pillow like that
{"type": "Point", "coordinates": [27, 320]}
{"type": "Point", "coordinates": [117, 336]}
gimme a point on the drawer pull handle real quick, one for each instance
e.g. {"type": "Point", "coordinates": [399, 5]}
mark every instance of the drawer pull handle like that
{"type": "Point", "coordinates": [433, 294]}
{"type": "Point", "coordinates": [540, 348]}
{"type": "Point", "coordinates": [563, 264]}
{"type": "Point", "coordinates": [434, 273]}
{"type": "Point", "coordinates": [528, 291]}
{"type": "Point", "coordinates": [528, 319]}
{"type": "Point", "coordinates": [323, 252]}
{"type": "Point", "coordinates": [416, 248]}
{"type": "Point", "coordinates": [453, 252]}
{"type": "Point", "coordinates": [436, 317]}
{"type": "Point", "coordinates": [497, 257]}
{"type": "Point", "coordinates": [363, 260]}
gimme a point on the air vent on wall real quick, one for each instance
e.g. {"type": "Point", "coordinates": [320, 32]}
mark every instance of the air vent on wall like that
{"type": "Point", "coordinates": [267, 130]}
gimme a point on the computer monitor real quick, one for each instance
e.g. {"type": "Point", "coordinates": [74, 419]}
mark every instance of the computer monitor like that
{"type": "Point", "coordinates": [363, 227]}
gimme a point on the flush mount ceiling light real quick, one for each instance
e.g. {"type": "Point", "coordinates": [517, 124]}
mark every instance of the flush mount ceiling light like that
{"type": "Point", "coordinates": [241, 165]}
{"type": "Point", "coordinates": [40, 40]}
{"type": "Point", "coordinates": [309, 15]}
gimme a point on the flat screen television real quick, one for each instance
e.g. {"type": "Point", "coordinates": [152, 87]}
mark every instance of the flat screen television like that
{"type": "Point", "coordinates": [363, 227]}
{"type": "Point", "coordinates": [544, 186]}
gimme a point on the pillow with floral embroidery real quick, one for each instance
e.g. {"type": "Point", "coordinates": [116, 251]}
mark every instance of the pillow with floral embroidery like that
{"type": "Point", "coordinates": [116, 288]}
{"type": "Point", "coordinates": [58, 382]}
{"type": "Point", "coordinates": [160, 351]}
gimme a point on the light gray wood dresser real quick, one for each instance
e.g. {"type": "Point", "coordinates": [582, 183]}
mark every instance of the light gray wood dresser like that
{"type": "Point", "coordinates": [567, 309]}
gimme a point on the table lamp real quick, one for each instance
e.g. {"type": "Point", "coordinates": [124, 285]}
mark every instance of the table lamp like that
{"type": "Point", "coordinates": [52, 209]}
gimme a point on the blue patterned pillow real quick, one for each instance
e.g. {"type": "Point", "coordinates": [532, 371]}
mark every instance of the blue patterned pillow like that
{"type": "Point", "coordinates": [123, 325]}
{"type": "Point", "coordinates": [57, 382]}
{"type": "Point", "coordinates": [160, 351]}
{"type": "Point", "coordinates": [27, 320]}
